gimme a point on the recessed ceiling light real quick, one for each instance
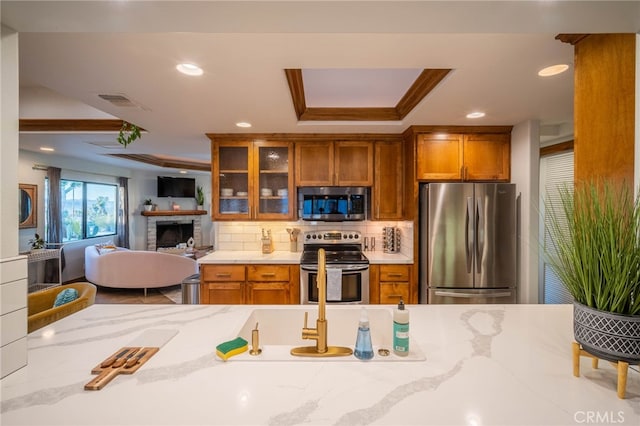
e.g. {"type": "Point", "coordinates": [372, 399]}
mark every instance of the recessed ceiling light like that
{"type": "Point", "coordinates": [476, 114]}
{"type": "Point", "coordinates": [46, 148]}
{"type": "Point", "coordinates": [184, 172]}
{"type": "Point", "coordinates": [243, 124]}
{"type": "Point", "coordinates": [553, 70]}
{"type": "Point", "coordinates": [189, 69]}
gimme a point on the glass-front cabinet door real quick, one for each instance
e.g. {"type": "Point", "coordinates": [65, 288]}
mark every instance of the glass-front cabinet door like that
{"type": "Point", "coordinates": [252, 180]}
{"type": "Point", "coordinates": [231, 180]}
{"type": "Point", "coordinates": [274, 184]}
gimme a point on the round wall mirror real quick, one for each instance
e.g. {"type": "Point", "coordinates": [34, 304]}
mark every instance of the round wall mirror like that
{"type": "Point", "coordinates": [27, 203]}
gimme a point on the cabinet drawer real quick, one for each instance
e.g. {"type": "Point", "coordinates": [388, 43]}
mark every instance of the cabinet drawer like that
{"type": "Point", "coordinates": [393, 292]}
{"type": "Point", "coordinates": [267, 273]}
{"type": "Point", "coordinates": [394, 273]}
{"type": "Point", "coordinates": [222, 273]}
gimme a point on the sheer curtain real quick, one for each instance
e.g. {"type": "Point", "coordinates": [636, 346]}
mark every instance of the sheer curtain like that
{"type": "Point", "coordinates": [123, 213]}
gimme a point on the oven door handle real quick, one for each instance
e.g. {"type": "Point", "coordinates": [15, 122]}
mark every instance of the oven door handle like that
{"type": "Point", "coordinates": [345, 268]}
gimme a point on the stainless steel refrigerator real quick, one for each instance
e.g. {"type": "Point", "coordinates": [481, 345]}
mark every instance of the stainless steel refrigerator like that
{"type": "Point", "coordinates": [468, 243]}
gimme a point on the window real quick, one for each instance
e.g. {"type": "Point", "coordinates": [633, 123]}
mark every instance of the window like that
{"type": "Point", "coordinates": [555, 172]}
{"type": "Point", "coordinates": [88, 209]}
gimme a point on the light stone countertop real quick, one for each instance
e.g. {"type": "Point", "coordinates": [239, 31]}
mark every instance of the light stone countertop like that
{"type": "Point", "coordinates": [485, 365]}
{"type": "Point", "coordinates": [290, 258]}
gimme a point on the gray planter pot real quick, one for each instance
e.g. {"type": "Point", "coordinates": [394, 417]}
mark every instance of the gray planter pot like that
{"type": "Point", "coordinates": [613, 337]}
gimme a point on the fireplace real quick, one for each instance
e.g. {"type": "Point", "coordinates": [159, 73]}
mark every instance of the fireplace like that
{"type": "Point", "coordinates": [172, 233]}
{"type": "Point", "coordinates": [179, 217]}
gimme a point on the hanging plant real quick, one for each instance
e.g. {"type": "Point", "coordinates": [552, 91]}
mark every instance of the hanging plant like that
{"type": "Point", "coordinates": [128, 133]}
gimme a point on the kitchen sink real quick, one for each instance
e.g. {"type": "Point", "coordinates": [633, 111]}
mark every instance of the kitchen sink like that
{"type": "Point", "coordinates": [281, 329]}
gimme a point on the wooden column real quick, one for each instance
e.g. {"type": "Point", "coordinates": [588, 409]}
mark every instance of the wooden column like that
{"type": "Point", "coordinates": [604, 102]}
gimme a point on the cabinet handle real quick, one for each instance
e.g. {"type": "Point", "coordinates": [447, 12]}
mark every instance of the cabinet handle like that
{"type": "Point", "coordinates": [268, 274]}
{"type": "Point", "coordinates": [396, 296]}
{"type": "Point", "coordinates": [223, 274]}
{"type": "Point", "coordinates": [394, 274]}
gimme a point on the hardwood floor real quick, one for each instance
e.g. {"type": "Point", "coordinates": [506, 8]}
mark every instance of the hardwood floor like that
{"type": "Point", "coordinates": [107, 295]}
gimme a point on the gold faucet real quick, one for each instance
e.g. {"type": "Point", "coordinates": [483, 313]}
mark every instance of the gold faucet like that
{"type": "Point", "coordinates": [319, 334]}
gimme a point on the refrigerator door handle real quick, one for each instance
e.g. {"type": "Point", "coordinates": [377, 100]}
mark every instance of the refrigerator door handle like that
{"type": "Point", "coordinates": [472, 295]}
{"type": "Point", "coordinates": [480, 231]}
{"type": "Point", "coordinates": [468, 235]}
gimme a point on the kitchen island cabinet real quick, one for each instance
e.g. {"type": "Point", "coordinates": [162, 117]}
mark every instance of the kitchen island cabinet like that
{"type": "Point", "coordinates": [483, 365]}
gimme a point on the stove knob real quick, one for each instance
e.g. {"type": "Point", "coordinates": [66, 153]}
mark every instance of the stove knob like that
{"type": "Point", "coordinates": [308, 236]}
{"type": "Point", "coordinates": [320, 236]}
{"type": "Point", "coordinates": [350, 237]}
{"type": "Point", "coordinates": [356, 236]}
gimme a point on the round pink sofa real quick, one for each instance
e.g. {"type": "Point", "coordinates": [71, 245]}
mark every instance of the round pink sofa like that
{"type": "Point", "coordinates": [122, 268]}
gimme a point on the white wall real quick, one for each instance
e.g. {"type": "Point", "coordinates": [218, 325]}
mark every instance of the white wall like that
{"type": "Point", "coordinates": [13, 268]}
{"type": "Point", "coordinates": [525, 171]}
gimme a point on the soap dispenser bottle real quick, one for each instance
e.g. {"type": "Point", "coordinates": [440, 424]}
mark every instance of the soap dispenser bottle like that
{"type": "Point", "coordinates": [364, 349]}
{"type": "Point", "coordinates": [401, 330]}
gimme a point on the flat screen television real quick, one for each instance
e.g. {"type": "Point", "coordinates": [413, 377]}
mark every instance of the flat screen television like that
{"type": "Point", "coordinates": [177, 187]}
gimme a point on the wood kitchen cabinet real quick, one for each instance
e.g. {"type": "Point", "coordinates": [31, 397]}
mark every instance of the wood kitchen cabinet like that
{"type": "Point", "coordinates": [468, 157]}
{"type": "Point", "coordinates": [250, 284]}
{"type": "Point", "coordinates": [388, 194]}
{"type": "Point", "coordinates": [252, 180]}
{"type": "Point", "coordinates": [388, 283]}
{"type": "Point", "coordinates": [222, 284]}
{"type": "Point", "coordinates": [334, 163]}
{"type": "Point", "coordinates": [394, 284]}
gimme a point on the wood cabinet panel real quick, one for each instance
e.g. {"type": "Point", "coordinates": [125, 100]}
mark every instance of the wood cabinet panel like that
{"type": "Point", "coordinates": [268, 273]}
{"type": "Point", "coordinates": [606, 102]}
{"type": "Point", "coordinates": [394, 273]}
{"type": "Point", "coordinates": [314, 163]}
{"type": "Point", "coordinates": [439, 157]}
{"type": "Point", "coordinates": [392, 292]}
{"type": "Point", "coordinates": [353, 163]}
{"type": "Point", "coordinates": [222, 273]}
{"type": "Point", "coordinates": [223, 293]}
{"type": "Point", "coordinates": [487, 157]}
{"type": "Point", "coordinates": [388, 194]}
{"type": "Point", "coordinates": [268, 293]}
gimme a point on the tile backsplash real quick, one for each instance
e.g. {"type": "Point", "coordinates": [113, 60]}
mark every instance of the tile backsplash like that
{"type": "Point", "coordinates": [247, 235]}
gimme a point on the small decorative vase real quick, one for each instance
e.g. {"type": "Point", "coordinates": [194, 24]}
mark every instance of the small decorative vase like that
{"type": "Point", "coordinates": [199, 207]}
{"type": "Point", "coordinates": [147, 207]}
{"type": "Point", "coordinates": [609, 336]}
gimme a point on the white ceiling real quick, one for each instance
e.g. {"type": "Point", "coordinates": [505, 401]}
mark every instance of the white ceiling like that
{"type": "Point", "coordinates": [72, 51]}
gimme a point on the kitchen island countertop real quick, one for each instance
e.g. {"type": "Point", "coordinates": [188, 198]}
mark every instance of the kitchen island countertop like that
{"type": "Point", "coordinates": [289, 258]}
{"type": "Point", "coordinates": [485, 365]}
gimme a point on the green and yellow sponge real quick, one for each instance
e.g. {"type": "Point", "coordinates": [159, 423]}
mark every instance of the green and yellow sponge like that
{"type": "Point", "coordinates": [233, 347]}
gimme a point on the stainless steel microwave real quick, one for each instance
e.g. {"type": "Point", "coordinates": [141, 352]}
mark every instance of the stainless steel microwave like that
{"type": "Point", "coordinates": [333, 203]}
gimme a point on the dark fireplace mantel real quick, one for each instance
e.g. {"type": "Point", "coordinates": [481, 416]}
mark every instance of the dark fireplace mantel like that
{"type": "Point", "coordinates": [173, 212]}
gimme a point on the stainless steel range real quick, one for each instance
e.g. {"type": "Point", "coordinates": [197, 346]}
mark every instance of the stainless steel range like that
{"type": "Point", "coordinates": [347, 267]}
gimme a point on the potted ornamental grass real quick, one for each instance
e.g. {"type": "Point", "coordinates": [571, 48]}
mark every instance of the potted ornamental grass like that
{"type": "Point", "coordinates": [199, 198]}
{"type": "Point", "coordinates": [595, 252]}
